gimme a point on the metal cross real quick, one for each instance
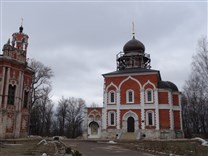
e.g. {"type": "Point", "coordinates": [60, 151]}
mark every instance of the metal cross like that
{"type": "Point", "coordinates": [133, 32]}
{"type": "Point", "coordinates": [22, 21]}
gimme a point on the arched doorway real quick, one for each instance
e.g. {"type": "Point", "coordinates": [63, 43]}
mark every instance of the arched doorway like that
{"type": "Point", "coordinates": [94, 128]}
{"type": "Point", "coordinates": [130, 124]}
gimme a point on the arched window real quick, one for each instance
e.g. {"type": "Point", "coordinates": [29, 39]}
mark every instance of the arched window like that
{"type": "Point", "coordinates": [149, 95]}
{"type": "Point", "coordinates": [130, 96]}
{"type": "Point", "coordinates": [111, 118]}
{"type": "Point", "coordinates": [111, 97]}
{"type": "Point", "coordinates": [11, 95]}
{"type": "Point", "coordinates": [150, 118]}
{"type": "Point", "coordinates": [26, 99]}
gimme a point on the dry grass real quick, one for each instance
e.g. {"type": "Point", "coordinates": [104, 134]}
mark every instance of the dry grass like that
{"type": "Point", "coordinates": [25, 148]}
{"type": "Point", "coordinates": [186, 148]}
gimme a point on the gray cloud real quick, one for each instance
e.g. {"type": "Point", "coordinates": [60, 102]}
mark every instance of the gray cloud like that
{"type": "Point", "coordinates": [80, 40]}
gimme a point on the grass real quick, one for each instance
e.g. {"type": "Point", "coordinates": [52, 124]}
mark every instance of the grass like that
{"type": "Point", "coordinates": [185, 148]}
{"type": "Point", "coordinates": [25, 148]}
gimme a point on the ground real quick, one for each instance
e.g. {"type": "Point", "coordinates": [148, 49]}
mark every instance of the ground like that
{"type": "Point", "coordinates": [103, 148]}
{"type": "Point", "coordinates": [28, 147]}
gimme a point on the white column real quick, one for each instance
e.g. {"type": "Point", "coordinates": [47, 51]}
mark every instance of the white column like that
{"type": "Point", "coordinates": [170, 99]}
{"type": "Point", "coordinates": [18, 91]}
{"type": "Point", "coordinates": [17, 125]}
{"type": "Point", "coordinates": [181, 121]}
{"type": "Point", "coordinates": [118, 108]}
{"type": "Point", "coordinates": [142, 109]}
{"type": "Point", "coordinates": [104, 110]}
{"type": "Point", "coordinates": [2, 86]}
{"type": "Point", "coordinates": [7, 88]}
{"type": "Point", "coordinates": [156, 109]}
{"type": "Point", "coordinates": [21, 90]}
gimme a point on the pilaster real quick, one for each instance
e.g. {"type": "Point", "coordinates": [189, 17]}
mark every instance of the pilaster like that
{"type": "Point", "coordinates": [181, 121]}
{"type": "Point", "coordinates": [118, 108]}
{"type": "Point", "coordinates": [7, 88]}
{"type": "Point", "coordinates": [142, 109]}
{"type": "Point", "coordinates": [2, 87]}
{"type": "Point", "coordinates": [17, 128]}
{"type": "Point", "coordinates": [170, 99]}
{"type": "Point", "coordinates": [156, 109]}
{"type": "Point", "coordinates": [104, 117]}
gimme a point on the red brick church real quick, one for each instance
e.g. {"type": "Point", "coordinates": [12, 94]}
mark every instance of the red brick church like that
{"type": "Point", "coordinates": [15, 84]}
{"type": "Point", "coordinates": [137, 102]}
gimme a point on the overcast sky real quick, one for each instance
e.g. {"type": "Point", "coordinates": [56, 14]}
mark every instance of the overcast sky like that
{"type": "Point", "coordinates": [80, 40]}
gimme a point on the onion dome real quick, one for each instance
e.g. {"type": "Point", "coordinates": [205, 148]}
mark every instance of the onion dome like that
{"type": "Point", "coordinates": [134, 45]}
{"type": "Point", "coordinates": [21, 29]}
{"type": "Point", "coordinates": [167, 85]}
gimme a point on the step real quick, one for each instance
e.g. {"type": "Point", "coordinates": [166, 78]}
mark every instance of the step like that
{"type": "Point", "coordinates": [129, 136]}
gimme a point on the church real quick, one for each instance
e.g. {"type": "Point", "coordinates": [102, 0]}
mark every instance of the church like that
{"type": "Point", "coordinates": [137, 104]}
{"type": "Point", "coordinates": [15, 85]}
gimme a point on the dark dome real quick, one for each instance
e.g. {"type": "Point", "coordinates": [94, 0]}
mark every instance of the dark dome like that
{"type": "Point", "coordinates": [7, 46]}
{"type": "Point", "coordinates": [133, 45]}
{"type": "Point", "coordinates": [167, 85]}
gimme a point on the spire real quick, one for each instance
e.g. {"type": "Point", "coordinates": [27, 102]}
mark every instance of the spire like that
{"type": "Point", "coordinates": [133, 31]}
{"type": "Point", "coordinates": [8, 42]}
{"type": "Point", "coordinates": [21, 27]}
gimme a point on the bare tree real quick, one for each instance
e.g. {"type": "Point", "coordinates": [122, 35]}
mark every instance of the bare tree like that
{"type": "Point", "coordinates": [41, 79]}
{"type": "Point", "coordinates": [94, 105]}
{"type": "Point", "coordinates": [195, 111]}
{"type": "Point", "coordinates": [61, 114]}
{"type": "Point", "coordinates": [41, 114]}
{"type": "Point", "coordinates": [41, 87]}
{"type": "Point", "coordinates": [75, 117]}
{"type": "Point", "coordinates": [49, 118]}
{"type": "Point", "coordinates": [69, 115]}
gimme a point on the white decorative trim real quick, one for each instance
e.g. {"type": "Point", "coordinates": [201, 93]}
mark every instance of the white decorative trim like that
{"type": "Point", "coordinates": [109, 97]}
{"type": "Point", "coordinates": [118, 109]}
{"type": "Point", "coordinates": [181, 121]}
{"type": "Point", "coordinates": [94, 113]}
{"type": "Point", "coordinates": [130, 106]}
{"type": "Point", "coordinates": [157, 109]}
{"type": "Point", "coordinates": [2, 86]}
{"type": "Point", "coordinates": [7, 87]}
{"type": "Point", "coordinates": [109, 118]}
{"type": "Point", "coordinates": [111, 84]}
{"type": "Point", "coordinates": [162, 90]}
{"type": "Point", "coordinates": [176, 108]}
{"type": "Point", "coordinates": [128, 78]}
{"type": "Point", "coordinates": [164, 106]}
{"type": "Point", "coordinates": [125, 118]}
{"type": "Point", "coordinates": [111, 107]}
{"type": "Point", "coordinates": [170, 99]}
{"type": "Point", "coordinates": [148, 106]}
{"type": "Point", "coordinates": [147, 117]}
{"type": "Point", "coordinates": [89, 130]}
{"type": "Point", "coordinates": [130, 114]}
{"type": "Point", "coordinates": [142, 109]}
{"type": "Point", "coordinates": [104, 118]}
{"type": "Point", "coordinates": [127, 96]}
{"type": "Point", "coordinates": [171, 119]}
{"type": "Point", "coordinates": [146, 96]}
{"type": "Point", "coordinates": [132, 74]}
{"type": "Point", "coordinates": [149, 82]}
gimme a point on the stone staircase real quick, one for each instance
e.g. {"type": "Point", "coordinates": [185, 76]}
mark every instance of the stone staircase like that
{"type": "Point", "coordinates": [128, 136]}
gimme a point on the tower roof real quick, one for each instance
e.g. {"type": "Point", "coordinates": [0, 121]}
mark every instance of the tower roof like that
{"type": "Point", "coordinates": [134, 45]}
{"type": "Point", "coordinates": [167, 85]}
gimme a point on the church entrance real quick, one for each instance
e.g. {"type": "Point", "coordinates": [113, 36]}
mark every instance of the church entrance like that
{"type": "Point", "coordinates": [130, 124]}
{"type": "Point", "coordinates": [94, 128]}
